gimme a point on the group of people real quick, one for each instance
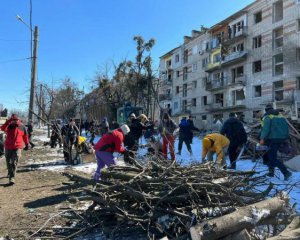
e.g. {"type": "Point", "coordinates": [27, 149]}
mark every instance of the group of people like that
{"type": "Point", "coordinates": [232, 137]}
{"type": "Point", "coordinates": [125, 140]}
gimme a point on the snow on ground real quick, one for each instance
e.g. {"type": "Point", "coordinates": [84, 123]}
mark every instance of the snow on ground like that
{"type": "Point", "coordinates": [185, 159]}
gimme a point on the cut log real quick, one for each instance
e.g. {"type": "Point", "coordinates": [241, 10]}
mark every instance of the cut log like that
{"type": "Point", "coordinates": [242, 235]}
{"type": "Point", "coordinates": [291, 232]}
{"type": "Point", "coordinates": [243, 218]}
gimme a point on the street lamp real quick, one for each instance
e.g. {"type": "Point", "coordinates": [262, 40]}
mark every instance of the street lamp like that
{"type": "Point", "coordinates": [33, 56]}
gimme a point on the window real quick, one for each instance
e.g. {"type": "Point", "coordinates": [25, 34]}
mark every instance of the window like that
{"type": "Point", "coordinates": [237, 72]}
{"type": "Point", "coordinates": [204, 117]}
{"type": "Point", "coordinates": [238, 48]}
{"type": "Point", "coordinates": [194, 85]}
{"type": "Point", "coordinates": [184, 105]}
{"type": "Point", "coordinates": [184, 90]}
{"type": "Point", "coordinates": [185, 73]}
{"type": "Point", "coordinates": [257, 91]}
{"type": "Point", "coordinates": [204, 100]}
{"type": "Point", "coordinates": [217, 58]}
{"type": "Point", "coordinates": [257, 66]}
{"type": "Point", "coordinates": [204, 62]}
{"type": "Point", "coordinates": [258, 17]}
{"type": "Point", "coordinates": [257, 42]}
{"type": "Point", "coordinates": [175, 105]}
{"type": "Point", "coordinates": [278, 11]}
{"type": "Point", "coordinates": [278, 90]}
{"type": "Point", "coordinates": [298, 25]}
{"type": "Point", "coordinates": [169, 63]}
{"type": "Point", "coordinates": [298, 54]}
{"type": "Point", "coordinates": [195, 50]}
{"type": "Point", "coordinates": [278, 38]}
{"type": "Point", "coordinates": [194, 102]}
{"type": "Point", "coordinates": [278, 64]}
{"type": "Point", "coordinates": [177, 89]}
{"type": "Point", "coordinates": [177, 74]}
{"type": "Point", "coordinates": [177, 58]}
{"type": "Point", "coordinates": [194, 67]}
{"type": "Point", "coordinates": [204, 81]}
{"type": "Point", "coordinates": [185, 56]}
{"type": "Point", "coordinates": [298, 83]}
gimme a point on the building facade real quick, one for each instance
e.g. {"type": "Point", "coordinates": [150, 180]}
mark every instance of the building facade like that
{"type": "Point", "coordinates": [242, 63]}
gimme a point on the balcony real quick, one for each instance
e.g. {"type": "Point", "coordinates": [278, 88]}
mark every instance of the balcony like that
{"type": "Point", "coordinates": [166, 82]}
{"type": "Point", "coordinates": [233, 37]}
{"type": "Point", "coordinates": [212, 66]}
{"type": "Point", "coordinates": [165, 97]}
{"type": "Point", "coordinates": [239, 80]}
{"type": "Point", "coordinates": [216, 84]}
{"type": "Point", "coordinates": [234, 57]}
{"type": "Point", "coordinates": [239, 103]}
{"type": "Point", "coordinates": [213, 107]}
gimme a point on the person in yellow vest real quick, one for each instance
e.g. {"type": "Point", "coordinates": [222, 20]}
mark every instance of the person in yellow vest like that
{"type": "Point", "coordinates": [215, 143]}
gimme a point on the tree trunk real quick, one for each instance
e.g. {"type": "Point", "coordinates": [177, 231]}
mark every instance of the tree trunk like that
{"type": "Point", "coordinates": [291, 232]}
{"type": "Point", "coordinates": [238, 220]}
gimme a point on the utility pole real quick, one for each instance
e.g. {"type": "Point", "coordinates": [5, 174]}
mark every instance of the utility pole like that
{"type": "Point", "coordinates": [33, 74]}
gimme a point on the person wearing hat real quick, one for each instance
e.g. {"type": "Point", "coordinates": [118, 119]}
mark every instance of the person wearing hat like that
{"type": "Point", "coordinates": [131, 141]}
{"type": "Point", "coordinates": [274, 132]}
{"type": "Point", "coordinates": [16, 136]}
{"type": "Point", "coordinates": [131, 119]}
{"type": "Point", "coordinates": [234, 130]}
{"type": "Point", "coordinates": [108, 144]}
{"type": "Point", "coordinates": [104, 126]}
{"type": "Point", "coordinates": [215, 143]}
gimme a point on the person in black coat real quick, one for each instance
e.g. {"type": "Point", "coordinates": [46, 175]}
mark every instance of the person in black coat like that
{"type": "Point", "coordinates": [234, 130]}
{"type": "Point", "coordinates": [131, 140]}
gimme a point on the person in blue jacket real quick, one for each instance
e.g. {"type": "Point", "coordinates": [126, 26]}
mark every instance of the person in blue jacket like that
{"type": "Point", "coordinates": [185, 133]}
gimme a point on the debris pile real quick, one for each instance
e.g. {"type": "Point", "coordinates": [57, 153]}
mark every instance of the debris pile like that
{"type": "Point", "coordinates": [194, 202]}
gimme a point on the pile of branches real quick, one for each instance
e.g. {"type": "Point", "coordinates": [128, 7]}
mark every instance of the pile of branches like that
{"type": "Point", "coordinates": [163, 200]}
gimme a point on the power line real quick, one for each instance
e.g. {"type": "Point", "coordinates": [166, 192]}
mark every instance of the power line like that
{"type": "Point", "coordinates": [13, 40]}
{"type": "Point", "coordinates": [15, 60]}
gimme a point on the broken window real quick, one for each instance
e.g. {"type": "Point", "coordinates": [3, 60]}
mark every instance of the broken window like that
{"type": "Point", "coordinates": [194, 102]}
{"type": "Point", "coordinates": [184, 90]}
{"type": "Point", "coordinates": [258, 17]}
{"type": "Point", "coordinates": [204, 100]}
{"type": "Point", "coordinates": [257, 66]}
{"type": "Point", "coordinates": [185, 56]}
{"type": "Point", "coordinates": [184, 105]}
{"type": "Point", "coordinates": [278, 38]}
{"type": "Point", "coordinates": [298, 54]}
{"type": "Point", "coordinates": [278, 11]}
{"type": "Point", "coordinates": [194, 84]}
{"type": "Point", "coordinates": [204, 117]}
{"type": "Point", "coordinates": [278, 90]}
{"type": "Point", "coordinates": [185, 73]}
{"type": "Point", "coordinates": [177, 74]}
{"type": "Point", "coordinates": [278, 64]}
{"type": "Point", "coordinates": [257, 42]}
{"type": "Point", "coordinates": [237, 72]}
{"type": "Point", "coordinates": [238, 97]}
{"type": "Point", "coordinates": [177, 89]}
{"type": "Point", "coordinates": [219, 98]}
{"type": "Point", "coordinates": [257, 91]}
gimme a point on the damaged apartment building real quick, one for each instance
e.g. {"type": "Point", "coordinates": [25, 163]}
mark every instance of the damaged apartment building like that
{"type": "Point", "coordinates": [242, 63]}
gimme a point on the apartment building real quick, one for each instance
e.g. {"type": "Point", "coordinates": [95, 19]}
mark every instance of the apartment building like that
{"type": "Point", "coordinates": [238, 65]}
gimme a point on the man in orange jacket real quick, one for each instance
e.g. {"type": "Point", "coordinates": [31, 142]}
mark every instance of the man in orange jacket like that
{"type": "Point", "coordinates": [16, 136]}
{"type": "Point", "coordinates": [215, 143]}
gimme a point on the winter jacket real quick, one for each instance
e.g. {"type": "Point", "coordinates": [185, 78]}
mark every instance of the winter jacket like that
{"type": "Point", "coordinates": [274, 126]}
{"type": "Point", "coordinates": [16, 135]}
{"type": "Point", "coordinates": [111, 142]}
{"type": "Point", "coordinates": [185, 131]}
{"type": "Point", "coordinates": [167, 128]}
{"type": "Point", "coordinates": [218, 142]}
{"type": "Point", "coordinates": [234, 130]}
{"type": "Point", "coordinates": [136, 129]}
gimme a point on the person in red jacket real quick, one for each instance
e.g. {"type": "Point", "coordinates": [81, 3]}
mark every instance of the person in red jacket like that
{"type": "Point", "coordinates": [16, 136]}
{"type": "Point", "coordinates": [108, 144]}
